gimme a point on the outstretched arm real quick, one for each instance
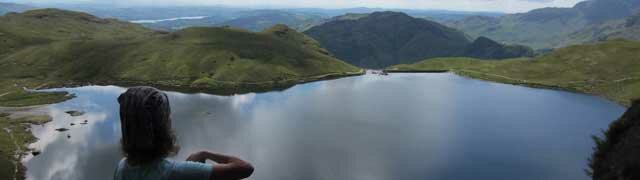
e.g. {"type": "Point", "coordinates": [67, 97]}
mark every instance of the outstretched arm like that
{"type": "Point", "coordinates": [228, 167]}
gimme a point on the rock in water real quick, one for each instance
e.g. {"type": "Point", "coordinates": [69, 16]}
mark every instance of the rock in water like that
{"type": "Point", "coordinates": [62, 129]}
{"type": "Point", "coordinates": [75, 113]}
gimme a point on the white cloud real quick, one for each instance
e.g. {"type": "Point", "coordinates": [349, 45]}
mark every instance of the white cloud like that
{"type": "Point", "coordinates": [466, 5]}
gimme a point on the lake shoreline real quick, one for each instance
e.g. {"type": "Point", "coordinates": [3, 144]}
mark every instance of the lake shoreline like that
{"type": "Point", "coordinates": [325, 105]}
{"type": "Point", "coordinates": [234, 88]}
{"type": "Point", "coordinates": [223, 88]}
{"type": "Point", "coordinates": [512, 82]}
{"type": "Point", "coordinates": [16, 123]}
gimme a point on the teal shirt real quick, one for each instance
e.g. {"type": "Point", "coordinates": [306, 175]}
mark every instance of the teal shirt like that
{"type": "Point", "coordinates": [163, 170]}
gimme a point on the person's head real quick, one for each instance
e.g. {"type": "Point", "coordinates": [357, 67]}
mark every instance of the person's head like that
{"type": "Point", "coordinates": [146, 127]}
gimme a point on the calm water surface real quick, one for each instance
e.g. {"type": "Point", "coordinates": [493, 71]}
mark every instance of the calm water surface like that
{"type": "Point", "coordinates": [402, 126]}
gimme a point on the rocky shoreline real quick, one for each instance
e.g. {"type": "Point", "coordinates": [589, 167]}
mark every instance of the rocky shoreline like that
{"type": "Point", "coordinates": [16, 123]}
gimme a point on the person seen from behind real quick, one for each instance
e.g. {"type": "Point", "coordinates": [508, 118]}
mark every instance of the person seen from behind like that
{"type": "Point", "coordinates": [148, 139]}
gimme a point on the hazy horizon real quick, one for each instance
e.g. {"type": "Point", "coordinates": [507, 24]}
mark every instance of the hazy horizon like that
{"type": "Point", "coordinates": [506, 6]}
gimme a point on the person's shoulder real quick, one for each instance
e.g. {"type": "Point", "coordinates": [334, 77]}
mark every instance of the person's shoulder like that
{"type": "Point", "coordinates": [122, 164]}
{"type": "Point", "coordinates": [117, 174]}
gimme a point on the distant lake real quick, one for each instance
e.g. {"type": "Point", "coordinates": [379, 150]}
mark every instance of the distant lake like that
{"type": "Point", "coordinates": [169, 19]}
{"type": "Point", "coordinates": [402, 126]}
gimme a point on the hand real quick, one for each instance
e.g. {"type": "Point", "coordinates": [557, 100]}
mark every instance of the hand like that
{"type": "Point", "coordinates": [197, 157]}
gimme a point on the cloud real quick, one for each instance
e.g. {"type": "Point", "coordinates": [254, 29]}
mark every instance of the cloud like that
{"type": "Point", "coordinates": [465, 5]}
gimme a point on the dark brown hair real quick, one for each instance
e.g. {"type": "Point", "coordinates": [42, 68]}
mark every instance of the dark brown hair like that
{"type": "Point", "coordinates": [146, 127]}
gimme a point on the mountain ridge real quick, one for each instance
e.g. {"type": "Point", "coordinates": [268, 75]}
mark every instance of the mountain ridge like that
{"type": "Point", "coordinates": [386, 38]}
{"type": "Point", "coordinates": [547, 28]}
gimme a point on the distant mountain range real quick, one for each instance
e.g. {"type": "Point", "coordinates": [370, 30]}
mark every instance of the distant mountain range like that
{"type": "Point", "coordinates": [628, 28]}
{"type": "Point", "coordinates": [12, 7]}
{"type": "Point", "coordinates": [382, 39]}
{"type": "Point", "coordinates": [300, 19]}
{"type": "Point", "coordinates": [259, 20]}
{"type": "Point", "coordinates": [548, 27]}
{"type": "Point", "coordinates": [434, 15]}
{"type": "Point", "coordinates": [58, 46]}
{"type": "Point", "coordinates": [254, 20]}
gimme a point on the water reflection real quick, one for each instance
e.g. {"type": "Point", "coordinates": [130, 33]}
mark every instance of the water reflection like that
{"type": "Point", "coordinates": [403, 126]}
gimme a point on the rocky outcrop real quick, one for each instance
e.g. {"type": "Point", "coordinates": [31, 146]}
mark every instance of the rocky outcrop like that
{"type": "Point", "coordinates": [617, 154]}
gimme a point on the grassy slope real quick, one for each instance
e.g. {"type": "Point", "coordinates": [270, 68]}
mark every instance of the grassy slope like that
{"type": "Point", "coordinates": [19, 30]}
{"type": "Point", "coordinates": [61, 47]}
{"type": "Point", "coordinates": [610, 69]}
{"type": "Point", "coordinates": [216, 59]}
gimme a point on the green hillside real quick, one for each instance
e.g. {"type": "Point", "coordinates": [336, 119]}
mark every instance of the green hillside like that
{"type": "Point", "coordinates": [382, 39]}
{"type": "Point", "coordinates": [485, 48]}
{"type": "Point", "coordinates": [547, 27]}
{"type": "Point", "coordinates": [42, 26]}
{"type": "Point", "coordinates": [215, 59]}
{"type": "Point", "coordinates": [610, 69]}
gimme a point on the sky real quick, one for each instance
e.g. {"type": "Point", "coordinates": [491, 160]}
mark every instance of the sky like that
{"type": "Point", "coordinates": [509, 6]}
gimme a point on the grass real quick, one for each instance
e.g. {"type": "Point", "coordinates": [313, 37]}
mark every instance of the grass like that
{"type": "Point", "coordinates": [196, 58]}
{"type": "Point", "coordinates": [200, 58]}
{"type": "Point", "coordinates": [610, 69]}
{"type": "Point", "coordinates": [24, 98]}
{"type": "Point", "coordinates": [14, 94]}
